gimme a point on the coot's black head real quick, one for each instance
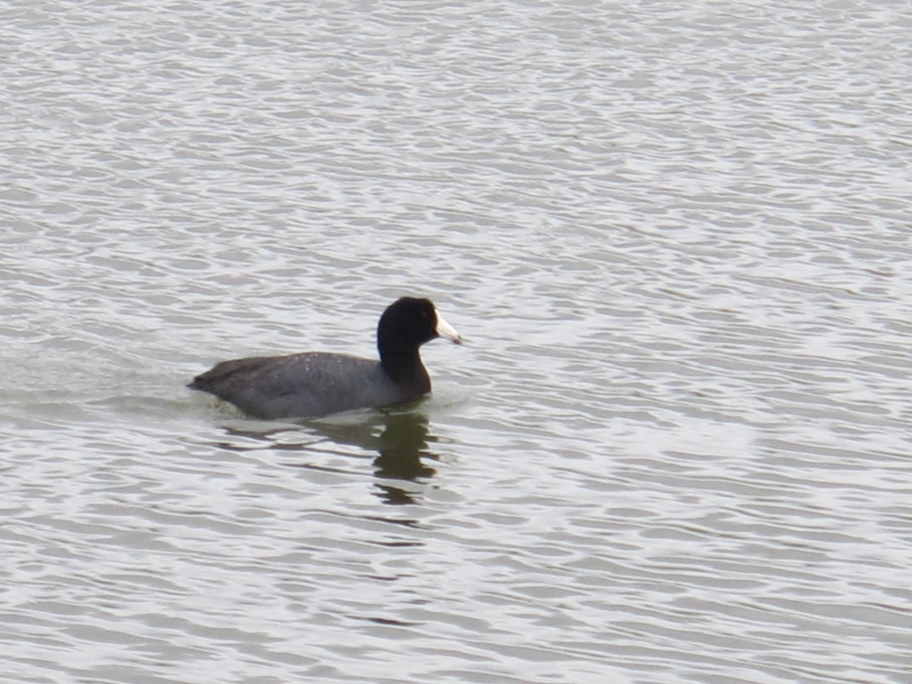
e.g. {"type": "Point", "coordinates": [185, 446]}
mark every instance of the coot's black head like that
{"type": "Point", "coordinates": [408, 323]}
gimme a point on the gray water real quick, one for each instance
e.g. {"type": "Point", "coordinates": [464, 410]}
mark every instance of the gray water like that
{"type": "Point", "coordinates": [677, 237]}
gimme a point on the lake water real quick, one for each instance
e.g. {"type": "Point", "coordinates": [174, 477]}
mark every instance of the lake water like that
{"type": "Point", "coordinates": [677, 237]}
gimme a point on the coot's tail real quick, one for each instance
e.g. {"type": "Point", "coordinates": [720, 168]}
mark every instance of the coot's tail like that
{"type": "Point", "coordinates": [225, 372]}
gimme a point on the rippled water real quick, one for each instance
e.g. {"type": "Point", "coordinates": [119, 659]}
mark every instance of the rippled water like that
{"type": "Point", "coordinates": [677, 237]}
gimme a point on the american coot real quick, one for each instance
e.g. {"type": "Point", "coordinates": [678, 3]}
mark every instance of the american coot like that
{"type": "Point", "coordinates": [318, 384]}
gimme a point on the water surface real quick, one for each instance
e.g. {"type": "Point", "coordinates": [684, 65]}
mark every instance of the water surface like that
{"type": "Point", "coordinates": [677, 239]}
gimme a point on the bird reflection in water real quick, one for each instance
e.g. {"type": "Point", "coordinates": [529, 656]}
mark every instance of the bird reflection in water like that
{"type": "Point", "coordinates": [399, 438]}
{"type": "Point", "coordinates": [402, 444]}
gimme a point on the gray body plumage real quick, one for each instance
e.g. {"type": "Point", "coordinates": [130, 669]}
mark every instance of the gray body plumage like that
{"type": "Point", "coordinates": [307, 385]}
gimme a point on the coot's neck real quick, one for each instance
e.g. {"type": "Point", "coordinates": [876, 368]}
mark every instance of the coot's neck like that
{"type": "Point", "coordinates": [404, 367]}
